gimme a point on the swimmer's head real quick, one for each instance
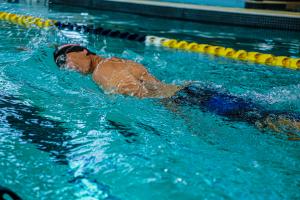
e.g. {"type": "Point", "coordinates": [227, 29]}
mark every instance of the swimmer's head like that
{"type": "Point", "coordinates": [73, 56]}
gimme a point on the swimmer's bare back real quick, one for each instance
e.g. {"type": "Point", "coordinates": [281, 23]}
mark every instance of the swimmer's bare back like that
{"type": "Point", "coordinates": [127, 77]}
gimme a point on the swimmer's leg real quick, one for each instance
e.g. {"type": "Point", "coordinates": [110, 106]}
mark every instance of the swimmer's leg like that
{"type": "Point", "coordinates": [288, 123]}
{"type": "Point", "coordinates": [223, 104]}
{"type": "Point", "coordinates": [238, 109]}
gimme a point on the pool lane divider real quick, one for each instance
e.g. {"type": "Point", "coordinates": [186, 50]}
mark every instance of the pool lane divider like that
{"type": "Point", "coordinates": [242, 55]}
{"type": "Point", "coordinates": [102, 31]}
{"type": "Point", "coordinates": [26, 21]}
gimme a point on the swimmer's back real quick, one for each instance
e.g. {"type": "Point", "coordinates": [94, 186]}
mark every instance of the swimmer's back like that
{"type": "Point", "coordinates": [130, 78]}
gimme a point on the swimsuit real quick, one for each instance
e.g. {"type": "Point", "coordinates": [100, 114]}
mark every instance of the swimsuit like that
{"type": "Point", "coordinates": [227, 105]}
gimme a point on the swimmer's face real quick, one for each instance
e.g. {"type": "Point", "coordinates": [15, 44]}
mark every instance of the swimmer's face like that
{"type": "Point", "coordinates": [79, 61]}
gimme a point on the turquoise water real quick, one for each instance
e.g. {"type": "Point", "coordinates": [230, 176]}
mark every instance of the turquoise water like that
{"type": "Point", "coordinates": [63, 138]}
{"type": "Point", "coordinates": [228, 3]}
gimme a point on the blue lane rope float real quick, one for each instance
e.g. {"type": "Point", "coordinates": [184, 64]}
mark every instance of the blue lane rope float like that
{"type": "Point", "coordinates": [242, 55]}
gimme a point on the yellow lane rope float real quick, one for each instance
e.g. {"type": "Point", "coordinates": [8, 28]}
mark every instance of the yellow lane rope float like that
{"type": "Point", "coordinates": [256, 57]}
{"type": "Point", "coordinates": [26, 21]}
{"type": "Point", "coordinates": [242, 55]}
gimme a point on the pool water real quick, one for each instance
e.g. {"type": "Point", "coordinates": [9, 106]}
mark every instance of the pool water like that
{"type": "Point", "coordinates": [62, 137]}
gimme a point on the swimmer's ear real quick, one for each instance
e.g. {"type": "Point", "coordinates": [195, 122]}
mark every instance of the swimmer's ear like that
{"type": "Point", "coordinates": [85, 52]}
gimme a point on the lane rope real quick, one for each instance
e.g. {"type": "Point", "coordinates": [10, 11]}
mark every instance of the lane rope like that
{"type": "Point", "coordinates": [26, 21]}
{"type": "Point", "coordinates": [241, 55]}
{"type": "Point", "coordinates": [101, 31]}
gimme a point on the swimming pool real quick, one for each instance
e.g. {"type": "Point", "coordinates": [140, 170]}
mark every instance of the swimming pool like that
{"type": "Point", "coordinates": [63, 138]}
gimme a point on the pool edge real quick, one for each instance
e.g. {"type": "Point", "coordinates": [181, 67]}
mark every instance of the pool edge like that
{"type": "Point", "coordinates": [209, 14]}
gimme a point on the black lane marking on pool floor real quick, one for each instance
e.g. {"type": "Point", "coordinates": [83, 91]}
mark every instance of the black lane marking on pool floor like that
{"type": "Point", "coordinates": [7, 192]}
{"type": "Point", "coordinates": [47, 134]}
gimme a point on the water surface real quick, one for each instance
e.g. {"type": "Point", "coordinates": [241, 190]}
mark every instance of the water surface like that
{"type": "Point", "coordinates": [62, 137]}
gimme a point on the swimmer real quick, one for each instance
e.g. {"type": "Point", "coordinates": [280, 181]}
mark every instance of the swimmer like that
{"type": "Point", "coordinates": [116, 75]}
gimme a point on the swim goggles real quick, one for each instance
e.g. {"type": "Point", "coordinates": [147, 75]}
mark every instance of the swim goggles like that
{"type": "Point", "coordinates": [60, 54]}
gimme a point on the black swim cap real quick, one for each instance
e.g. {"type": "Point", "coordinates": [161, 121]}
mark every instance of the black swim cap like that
{"type": "Point", "coordinates": [60, 54]}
